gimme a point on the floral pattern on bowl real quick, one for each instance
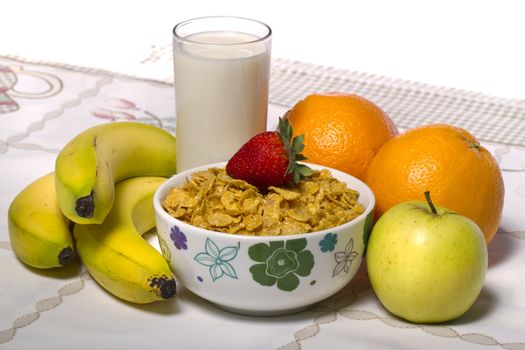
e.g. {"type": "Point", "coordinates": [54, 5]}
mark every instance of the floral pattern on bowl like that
{"type": "Point", "coordinates": [263, 275]}
{"type": "Point", "coordinates": [217, 260]}
{"type": "Point", "coordinates": [179, 238]}
{"type": "Point", "coordinates": [328, 242]}
{"type": "Point", "coordinates": [281, 263]}
{"type": "Point", "coordinates": [344, 259]}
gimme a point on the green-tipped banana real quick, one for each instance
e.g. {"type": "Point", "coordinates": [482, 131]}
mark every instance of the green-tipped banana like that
{"type": "Point", "coordinates": [38, 231]}
{"type": "Point", "coordinates": [89, 165]}
{"type": "Point", "coordinates": [115, 253]}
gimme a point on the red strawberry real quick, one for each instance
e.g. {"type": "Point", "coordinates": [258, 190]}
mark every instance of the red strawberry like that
{"type": "Point", "coordinates": [269, 158]}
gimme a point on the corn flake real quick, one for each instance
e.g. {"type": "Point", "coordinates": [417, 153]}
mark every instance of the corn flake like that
{"type": "Point", "coordinates": [213, 200]}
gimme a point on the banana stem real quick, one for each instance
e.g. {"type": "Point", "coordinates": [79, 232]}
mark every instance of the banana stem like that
{"type": "Point", "coordinates": [85, 206]}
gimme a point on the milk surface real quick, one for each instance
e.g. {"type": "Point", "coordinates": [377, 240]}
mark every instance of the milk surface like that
{"type": "Point", "coordinates": [221, 95]}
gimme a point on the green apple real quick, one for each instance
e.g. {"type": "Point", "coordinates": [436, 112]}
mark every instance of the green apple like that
{"type": "Point", "coordinates": [426, 264]}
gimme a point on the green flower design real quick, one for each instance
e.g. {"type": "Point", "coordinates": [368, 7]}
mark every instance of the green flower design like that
{"type": "Point", "coordinates": [367, 229]}
{"type": "Point", "coordinates": [328, 242]}
{"type": "Point", "coordinates": [165, 250]}
{"type": "Point", "coordinates": [369, 222]}
{"type": "Point", "coordinates": [281, 262]}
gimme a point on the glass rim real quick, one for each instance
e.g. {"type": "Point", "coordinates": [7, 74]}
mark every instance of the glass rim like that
{"type": "Point", "coordinates": [189, 41]}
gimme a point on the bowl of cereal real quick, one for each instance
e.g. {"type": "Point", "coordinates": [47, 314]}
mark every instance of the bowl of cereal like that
{"type": "Point", "coordinates": [270, 253]}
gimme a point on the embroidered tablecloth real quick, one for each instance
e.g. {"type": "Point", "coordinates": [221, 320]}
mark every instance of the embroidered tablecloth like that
{"type": "Point", "coordinates": [43, 105]}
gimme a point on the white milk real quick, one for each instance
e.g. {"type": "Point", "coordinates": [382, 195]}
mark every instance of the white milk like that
{"type": "Point", "coordinates": [221, 95]}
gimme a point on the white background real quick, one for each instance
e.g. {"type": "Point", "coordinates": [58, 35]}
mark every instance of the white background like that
{"type": "Point", "coordinates": [472, 45]}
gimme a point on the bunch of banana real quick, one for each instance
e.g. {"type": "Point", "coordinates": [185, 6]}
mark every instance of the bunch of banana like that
{"type": "Point", "coordinates": [38, 231]}
{"type": "Point", "coordinates": [87, 168]}
{"type": "Point", "coordinates": [109, 219]}
{"type": "Point", "coordinates": [117, 256]}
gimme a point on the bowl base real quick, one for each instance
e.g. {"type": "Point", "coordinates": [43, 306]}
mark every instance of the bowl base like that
{"type": "Point", "coordinates": [261, 313]}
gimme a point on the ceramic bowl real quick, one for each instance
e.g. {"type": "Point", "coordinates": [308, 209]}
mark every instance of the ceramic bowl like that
{"type": "Point", "coordinates": [263, 275]}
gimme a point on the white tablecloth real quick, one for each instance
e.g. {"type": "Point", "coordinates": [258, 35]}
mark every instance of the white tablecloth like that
{"type": "Point", "coordinates": [65, 308]}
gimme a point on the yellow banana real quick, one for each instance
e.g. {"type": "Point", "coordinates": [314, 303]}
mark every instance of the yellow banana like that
{"type": "Point", "coordinates": [115, 253]}
{"type": "Point", "coordinates": [38, 231]}
{"type": "Point", "coordinates": [90, 164]}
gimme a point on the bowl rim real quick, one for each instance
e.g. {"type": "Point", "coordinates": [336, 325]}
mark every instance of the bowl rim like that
{"type": "Point", "coordinates": [167, 185]}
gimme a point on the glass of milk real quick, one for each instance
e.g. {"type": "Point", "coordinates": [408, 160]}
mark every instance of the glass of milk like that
{"type": "Point", "coordinates": [222, 70]}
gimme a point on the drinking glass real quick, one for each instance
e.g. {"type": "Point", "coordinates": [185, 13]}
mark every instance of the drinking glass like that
{"type": "Point", "coordinates": [222, 69]}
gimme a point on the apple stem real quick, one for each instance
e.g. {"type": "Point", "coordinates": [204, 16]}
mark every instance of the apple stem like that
{"type": "Point", "coordinates": [429, 201]}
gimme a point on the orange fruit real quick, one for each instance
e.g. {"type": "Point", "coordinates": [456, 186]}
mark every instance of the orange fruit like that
{"type": "Point", "coordinates": [341, 131]}
{"type": "Point", "coordinates": [449, 162]}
